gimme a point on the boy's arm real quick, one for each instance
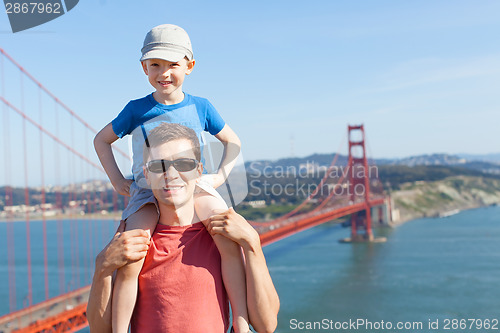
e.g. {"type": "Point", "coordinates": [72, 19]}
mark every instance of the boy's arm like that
{"type": "Point", "coordinates": [102, 144]}
{"type": "Point", "coordinates": [233, 269]}
{"type": "Point", "coordinates": [232, 146]}
{"type": "Point", "coordinates": [128, 246]}
{"type": "Point", "coordinates": [262, 298]}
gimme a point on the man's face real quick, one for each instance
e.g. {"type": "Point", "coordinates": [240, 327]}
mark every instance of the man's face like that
{"type": "Point", "coordinates": [173, 187]}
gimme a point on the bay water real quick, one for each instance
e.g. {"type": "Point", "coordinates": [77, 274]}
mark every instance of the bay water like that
{"type": "Point", "coordinates": [443, 273]}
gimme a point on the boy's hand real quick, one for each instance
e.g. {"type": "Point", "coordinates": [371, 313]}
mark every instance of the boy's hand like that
{"type": "Point", "coordinates": [215, 180]}
{"type": "Point", "coordinates": [123, 186]}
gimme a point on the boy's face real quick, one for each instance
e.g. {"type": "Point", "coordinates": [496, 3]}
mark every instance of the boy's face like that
{"type": "Point", "coordinates": [167, 77]}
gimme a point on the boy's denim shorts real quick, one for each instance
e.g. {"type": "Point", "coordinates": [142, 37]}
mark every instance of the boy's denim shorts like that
{"type": "Point", "coordinates": [140, 196]}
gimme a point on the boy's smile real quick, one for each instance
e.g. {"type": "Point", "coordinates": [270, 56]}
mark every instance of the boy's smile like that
{"type": "Point", "coordinates": [164, 83]}
{"type": "Point", "coordinates": [167, 78]}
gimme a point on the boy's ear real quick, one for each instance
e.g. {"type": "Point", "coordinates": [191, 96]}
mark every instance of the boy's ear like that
{"type": "Point", "coordinates": [144, 67]}
{"type": "Point", "coordinates": [190, 66]}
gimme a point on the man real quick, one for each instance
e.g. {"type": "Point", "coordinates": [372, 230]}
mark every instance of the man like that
{"type": "Point", "coordinates": [180, 286]}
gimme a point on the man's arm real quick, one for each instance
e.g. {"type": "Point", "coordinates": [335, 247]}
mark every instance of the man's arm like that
{"type": "Point", "coordinates": [99, 304]}
{"type": "Point", "coordinates": [262, 298]}
{"type": "Point", "coordinates": [125, 247]}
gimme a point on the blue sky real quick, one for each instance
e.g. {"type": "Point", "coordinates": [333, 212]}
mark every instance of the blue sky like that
{"type": "Point", "coordinates": [423, 76]}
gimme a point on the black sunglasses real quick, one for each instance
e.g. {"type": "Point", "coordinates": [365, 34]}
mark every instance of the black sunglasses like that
{"type": "Point", "coordinates": [181, 165]}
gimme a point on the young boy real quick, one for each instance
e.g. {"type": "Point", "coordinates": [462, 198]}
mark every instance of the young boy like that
{"type": "Point", "coordinates": [167, 57]}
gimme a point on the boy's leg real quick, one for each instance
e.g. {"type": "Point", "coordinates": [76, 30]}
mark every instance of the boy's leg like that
{"type": "Point", "coordinates": [233, 270]}
{"type": "Point", "coordinates": [126, 283]}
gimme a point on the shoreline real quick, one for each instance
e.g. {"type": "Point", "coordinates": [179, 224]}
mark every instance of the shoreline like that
{"type": "Point", "coordinates": [437, 216]}
{"type": "Point", "coordinates": [112, 217]}
{"type": "Point", "coordinates": [436, 213]}
{"type": "Point", "coordinates": [414, 200]}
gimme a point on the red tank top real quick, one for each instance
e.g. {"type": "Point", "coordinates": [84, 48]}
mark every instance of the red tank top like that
{"type": "Point", "coordinates": [180, 284]}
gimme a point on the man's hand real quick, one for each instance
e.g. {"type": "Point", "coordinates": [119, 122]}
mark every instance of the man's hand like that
{"type": "Point", "coordinates": [125, 247]}
{"type": "Point", "coordinates": [233, 226]}
{"type": "Point", "coordinates": [123, 186]}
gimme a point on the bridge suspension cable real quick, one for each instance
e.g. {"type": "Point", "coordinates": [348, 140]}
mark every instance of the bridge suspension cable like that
{"type": "Point", "coordinates": [311, 195]}
{"type": "Point", "coordinates": [70, 161]}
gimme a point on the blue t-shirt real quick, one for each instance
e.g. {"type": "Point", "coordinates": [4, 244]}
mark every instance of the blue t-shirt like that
{"type": "Point", "coordinates": [140, 116]}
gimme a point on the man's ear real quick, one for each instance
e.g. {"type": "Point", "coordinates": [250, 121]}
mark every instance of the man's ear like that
{"type": "Point", "coordinates": [144, 67]}
{"type": "Point", "coordinates": [190, 66]}
{"type": "Point", "coordinates": [200, 169]}
{"type": "Point", "coordinates": [145, 172]}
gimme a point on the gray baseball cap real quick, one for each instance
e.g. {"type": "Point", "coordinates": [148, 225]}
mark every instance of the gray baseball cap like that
{"type": "Point", "coordinates": [168, 42]}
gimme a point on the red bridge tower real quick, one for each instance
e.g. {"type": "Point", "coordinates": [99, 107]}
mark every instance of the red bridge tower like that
{"type": "Point", "coordinates": [359, 186]}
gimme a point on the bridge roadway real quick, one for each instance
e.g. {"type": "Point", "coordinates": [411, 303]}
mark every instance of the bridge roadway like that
{"type": "Point", "coordinates": [66, 312]}
{"type": "Point", "coordinates": [276, 230]}
{"type": "Point", "coordinates": [71, 306]}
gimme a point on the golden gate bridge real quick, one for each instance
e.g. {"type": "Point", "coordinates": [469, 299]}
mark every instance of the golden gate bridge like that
{"type": "Point", "coordinates": [77, 225]}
